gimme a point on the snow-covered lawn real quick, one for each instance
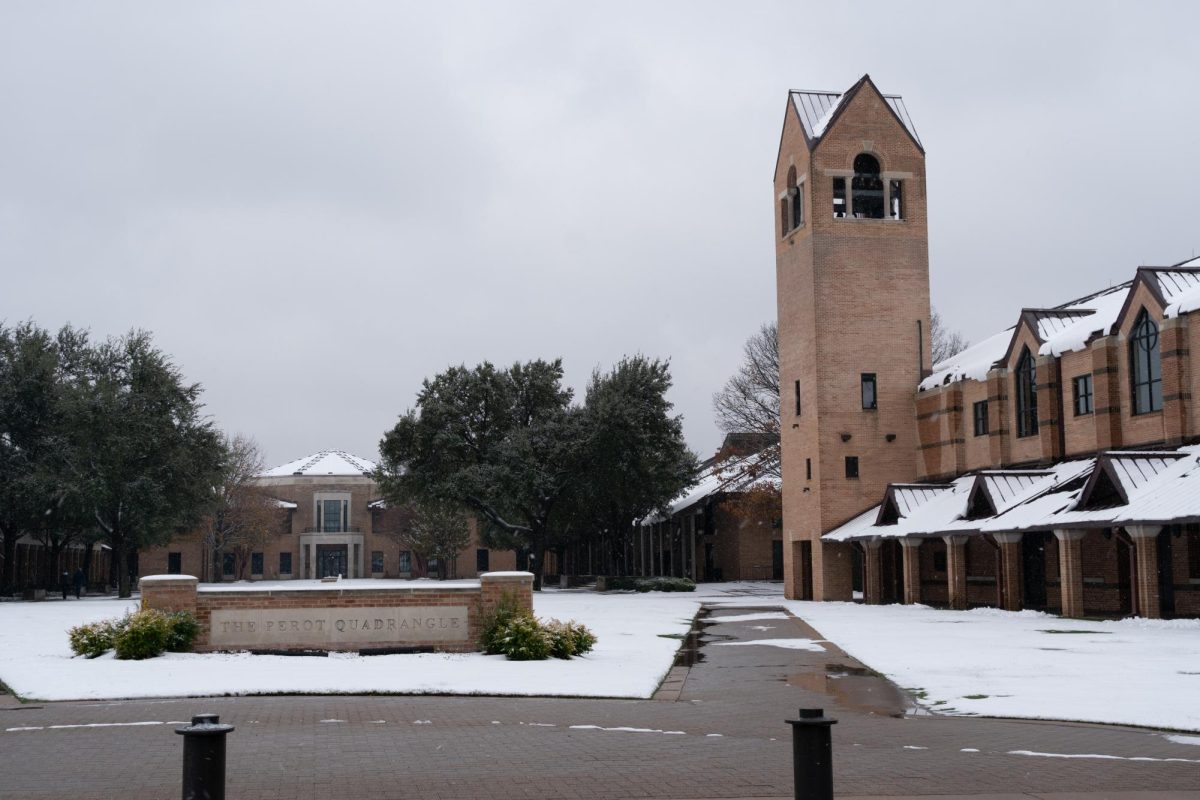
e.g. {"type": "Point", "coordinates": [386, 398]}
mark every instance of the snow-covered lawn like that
{"type": "Point", "coordinates": [631, 657]}
{"type": "Point", "coordinates": [1025, 664]}
{"type": "Point", "coordinates": [988, 662]}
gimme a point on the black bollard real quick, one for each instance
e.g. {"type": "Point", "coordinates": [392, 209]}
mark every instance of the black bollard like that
{"type": "Point", "coordinates": [204, 757]}
{"type": "Point", "coordinates": [812, 755]}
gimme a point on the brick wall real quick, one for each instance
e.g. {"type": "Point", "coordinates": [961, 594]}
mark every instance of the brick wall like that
{"type": "Point", "coordinates": [180, 593]}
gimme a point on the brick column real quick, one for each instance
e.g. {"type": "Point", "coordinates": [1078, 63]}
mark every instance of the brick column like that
{"type": "Point", "coordinates": [999, 419]}
{"type": "Point", "coordinates": [911, 553]}
{"type": "Point", "coordinates": [1176, 378]}
{"type": "Point", "coordinates": [1049, 408]}
{"type": "Point", "coordinates": [1145, 540]}
{"type": "Point", "coordinates": [169, 592]}
{"type": "Point", "coordinates": [1106, 388]}
{"type": "Point", "coordinates": [495, 586]}
{"type": "Point", "coordinates": [1070, 571]}
{"type": "Point", "coordinates": [872, 572]}
{"type": "Point", "coordinates": [1010, 570]}
{"type": "Point", "coordinates": [956, 570]}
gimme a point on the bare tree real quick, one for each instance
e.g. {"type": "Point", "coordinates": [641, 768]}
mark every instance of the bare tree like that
{"type": "Point", "coordinates": [434, 531]}
{"type": "Point", "coordinates": [749, 401]}
{"type": "Point", "coordinates": [944, 343]}
{"type": "Point", "coordinates": [243, 515]}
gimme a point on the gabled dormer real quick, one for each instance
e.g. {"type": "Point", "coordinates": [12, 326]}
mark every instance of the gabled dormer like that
{"type": "Point", "coordinates": [903, 499]}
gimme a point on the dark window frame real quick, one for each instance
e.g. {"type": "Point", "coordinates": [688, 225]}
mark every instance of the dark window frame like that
{"type": "Point", "coordinates": [865, 380]}
{"type": "Point", "coordinates": [256, 560]}
{"type": "Point", "coordinates": [979, 414]}
{"type": "Point", "coordinates": [228, 565]}
{"type": "Point", "coordinates": [852, 471]}
{"type": "Point", "coordinates": [1145, 366]}
{"type": "Point", "coordinates": [1083, 395]}
{"type": "Point", "coordinates": [285, 563]}
{"type": "Point", "coordinates": [175, 563]}
{"type": "Point", "coordinates": [1026, 395]}
{"type": "Point", "coordinates": [377, 560]}
{"type": "Point", "coordinates": [482, 559]}
{"type": "Point", "coordinates": [405, 561]}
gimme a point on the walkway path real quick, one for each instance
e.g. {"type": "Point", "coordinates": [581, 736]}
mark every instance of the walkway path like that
{"type": "Point", "coordinates": [716, 730]}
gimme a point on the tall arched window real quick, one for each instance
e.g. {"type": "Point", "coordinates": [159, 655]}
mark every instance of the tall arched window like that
{"type": "Point", "coordinates": [1145, 371]}
{"type": "Point", "coordinates": [1027, 421]}
{"type": "Point", "coordinates": [866, 190]}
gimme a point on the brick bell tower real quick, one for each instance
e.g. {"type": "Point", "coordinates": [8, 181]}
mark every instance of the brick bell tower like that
{"type": "Point", "coordinates": [852, 285]}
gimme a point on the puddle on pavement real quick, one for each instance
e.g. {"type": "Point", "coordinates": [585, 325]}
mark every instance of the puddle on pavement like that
{"type": "Point", "coordinates": [689, 653]}
{"type": "Point", "coordinates": [856, 688]}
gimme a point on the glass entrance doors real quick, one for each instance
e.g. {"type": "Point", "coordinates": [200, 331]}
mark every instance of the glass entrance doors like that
{"type": "Point", "coordinates": [331, 560]}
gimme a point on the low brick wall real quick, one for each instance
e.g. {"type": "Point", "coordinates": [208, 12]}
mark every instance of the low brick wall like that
{"type": "Point", "coordinates": [347, 615]}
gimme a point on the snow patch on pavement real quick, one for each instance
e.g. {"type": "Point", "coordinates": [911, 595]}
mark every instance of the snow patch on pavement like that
{"type": "Point", "coordinates": [787, 644]}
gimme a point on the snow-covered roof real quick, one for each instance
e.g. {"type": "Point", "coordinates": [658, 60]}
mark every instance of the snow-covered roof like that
{"type": "Point", "coordinates": [284, 503]}
{"type": "Point", "coordinates": [732, 474]}
{"type": "Point", "coordinates": [1063, 329]}
{"type": "Point", "coordinates": [326, 462]}
{"type": "Point", "coordinates": [1160, 487]}
{"type": "Point", "coordinates": [816, 108]}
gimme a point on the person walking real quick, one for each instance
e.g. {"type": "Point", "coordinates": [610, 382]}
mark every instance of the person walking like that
{"type": "Point", "coordinates": [80, 582]}
{"type": "Point", "coordinates": [65, 584]}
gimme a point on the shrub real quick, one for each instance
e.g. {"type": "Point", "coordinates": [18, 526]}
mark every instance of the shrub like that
{"type": "Point", "coordinates": [651, 584]}
{"type": "Point", "coordinates": [144, 635]}
{"type": "Point", "coordinates": [524, 639]}
{"type": "Point", "coordinates": [569, 638]}
{"type": "Point", "coordinates": [493, 624]}
{"type": "Point", "coordinates": [92, 640]}
{"type": "Point", "coordinates": [184, 630]}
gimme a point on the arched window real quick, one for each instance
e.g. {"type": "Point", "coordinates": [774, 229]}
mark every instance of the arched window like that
{"type": "Point", "coordinates": [1027, 421]}
{"type": "Point", "coordinates": [1145, 371]}
{"type": "Point", "coordinates": [791, 204]}
{"type": "Point", "coordinates": [866, 190]}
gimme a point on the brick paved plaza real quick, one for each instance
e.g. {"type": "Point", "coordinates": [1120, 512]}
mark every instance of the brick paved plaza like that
{"type": "Point", "coordinates": [730, 707]}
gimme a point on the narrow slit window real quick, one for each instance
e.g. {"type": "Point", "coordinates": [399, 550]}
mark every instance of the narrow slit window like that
{"type": "Point", "coordinates": [797, 199]}
{"type": "Point", "coordinates": [896, 189]}
{"type": "Point", "coordinates": [839, 197]}
{"type": "Point", "coordinates": [980, 413]}
{"type": "Point", "coordinates": [867, 385]}
{"type": "Point", "coordinates": [808, 469]}
{"type": "Point", "coordinates": [1084, 403]}
{"type": "Point", "coordinates": [797, 398]}
{"type": "Point", "coordinates": [851, 466]}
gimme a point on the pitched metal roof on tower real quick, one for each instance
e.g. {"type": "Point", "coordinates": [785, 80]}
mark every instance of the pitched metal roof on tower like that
{"type": "Point", "coordinates": [326, 462]}
{"type": "Point", "coordinates": [817, 108]}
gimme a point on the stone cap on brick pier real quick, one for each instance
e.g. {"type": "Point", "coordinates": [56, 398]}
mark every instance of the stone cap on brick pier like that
{"type": "Point", "coordinates": [167, 580]}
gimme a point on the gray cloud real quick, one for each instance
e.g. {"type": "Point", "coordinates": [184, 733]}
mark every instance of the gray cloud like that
{"type": "Point", "coordinates": [314, 206]}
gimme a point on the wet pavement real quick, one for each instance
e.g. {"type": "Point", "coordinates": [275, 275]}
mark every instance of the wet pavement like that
{"type": "Point", "coordinates": [715, 729]}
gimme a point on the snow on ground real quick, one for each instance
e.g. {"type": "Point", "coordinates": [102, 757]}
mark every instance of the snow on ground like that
{"type": "Point", "coordinates": [984, 661]}
{"type": "Point", "coordinates": [631, 657]}
{"type": "Point", "coordinates": [1023, 664]}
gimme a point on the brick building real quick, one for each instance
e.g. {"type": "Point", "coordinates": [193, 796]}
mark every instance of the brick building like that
{"type": "Point", "coordinates": [1050, 466]}
{"type": "Point", "coordinates": [724, 527]}
{"type": "Point", "coordinates": [331, 522]}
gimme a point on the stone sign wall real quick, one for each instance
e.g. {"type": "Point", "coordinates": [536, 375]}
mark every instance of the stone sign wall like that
{"type": "Point", "coordinates": [345, 616]}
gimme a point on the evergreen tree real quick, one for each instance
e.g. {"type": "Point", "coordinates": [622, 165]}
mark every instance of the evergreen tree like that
{"type": "Point", "coordinates": [505, 444]}
{"type": "Point", "coordinates": [637, 459]}
{"type": "Point", "coordinates": [147, 458]}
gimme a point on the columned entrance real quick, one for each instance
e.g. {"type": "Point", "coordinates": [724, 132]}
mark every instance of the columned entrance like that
{"type": "Point", "coordinates": [323, 555]}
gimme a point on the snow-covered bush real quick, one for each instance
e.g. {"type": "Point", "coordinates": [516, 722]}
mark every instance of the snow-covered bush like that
{"type": "Point", "coordinates": [516, 633]}
{"type": "Point", "coordinates": [93, 639]}
{"type": "Point", "coordinates": [145, 634]}
{"type": "Point", "coordinates": [184, 630]}
{"type": "Point", "coordinates": [524, 639]}
{"type": "Point", "coordinates": [569, 638]}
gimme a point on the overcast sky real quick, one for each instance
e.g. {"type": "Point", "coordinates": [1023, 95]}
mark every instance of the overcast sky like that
{"type": "Point", "coordinates": [315, 206]}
